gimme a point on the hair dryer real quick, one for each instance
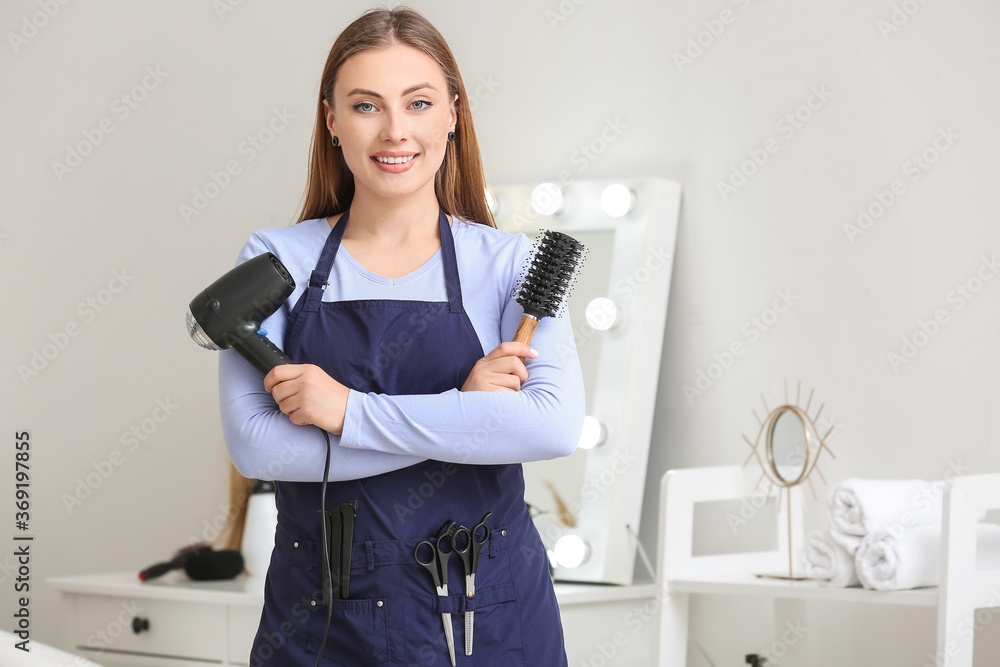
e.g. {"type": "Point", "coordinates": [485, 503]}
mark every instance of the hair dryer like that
{"type": "Point", "coordinates": [229, 312]}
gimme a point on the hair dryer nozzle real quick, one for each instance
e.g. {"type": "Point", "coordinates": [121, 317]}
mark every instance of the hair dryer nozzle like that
{"type": "Point", "coordinates": [198, 334]}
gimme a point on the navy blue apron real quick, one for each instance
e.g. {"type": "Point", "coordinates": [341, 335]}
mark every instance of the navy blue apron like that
{"type": "Point", "coordinates": [393, 615]}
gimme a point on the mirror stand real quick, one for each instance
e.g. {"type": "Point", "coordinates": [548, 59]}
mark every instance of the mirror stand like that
{"type": "Point", "coordinates": [792, 449]}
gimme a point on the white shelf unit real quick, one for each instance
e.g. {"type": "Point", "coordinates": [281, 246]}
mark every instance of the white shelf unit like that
{"type": "Point", "coordinates": [962, 589]}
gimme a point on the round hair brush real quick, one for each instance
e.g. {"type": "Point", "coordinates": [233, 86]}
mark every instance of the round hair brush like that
{"type": "Point", "coordinates": [546, 280]}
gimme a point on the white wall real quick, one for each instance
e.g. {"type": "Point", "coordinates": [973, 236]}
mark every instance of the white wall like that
{"type": "Point", "coordinates": [549, 77]}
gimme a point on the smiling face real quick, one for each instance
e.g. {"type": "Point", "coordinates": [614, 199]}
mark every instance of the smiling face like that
{"type": "Point", "coordinates": [392, 113]}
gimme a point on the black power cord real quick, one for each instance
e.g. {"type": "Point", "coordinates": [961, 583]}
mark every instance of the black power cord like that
{"type": "Point", "coordinates": [326, 549]}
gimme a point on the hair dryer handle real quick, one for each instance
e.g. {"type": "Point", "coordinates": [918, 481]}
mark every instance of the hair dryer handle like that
{"type": "Point", "coordinates": [261, 352]}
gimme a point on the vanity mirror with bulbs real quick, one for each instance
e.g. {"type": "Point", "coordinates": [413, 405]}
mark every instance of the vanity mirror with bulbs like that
{"type": "Point", "coordinates": [587, 506]}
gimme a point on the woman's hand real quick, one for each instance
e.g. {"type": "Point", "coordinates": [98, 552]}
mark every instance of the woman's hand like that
{"type": "Point", "coordinates": [501, 369]}
{"type": "Point", "coordinates": [308, 395]}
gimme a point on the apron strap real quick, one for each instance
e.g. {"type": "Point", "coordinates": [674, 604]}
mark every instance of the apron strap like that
{"type": "Point", "coordinates": [320, 276]}
{"type": "Point", "coordinates": [451, 280]}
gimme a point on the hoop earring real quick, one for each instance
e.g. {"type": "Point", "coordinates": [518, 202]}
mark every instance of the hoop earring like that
{"type": "Point", "coordinates": [451, 136]}
{"type": "Point", "coordinates": [336, 141]}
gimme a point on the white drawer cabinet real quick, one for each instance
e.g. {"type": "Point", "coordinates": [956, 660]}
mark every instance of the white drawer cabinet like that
{"type": "Point", "coordinates": [203, 626]}
{"type": "Point", "coordinates": [184, 623]}
{"type": "Point", "coordinates": [115, 619]}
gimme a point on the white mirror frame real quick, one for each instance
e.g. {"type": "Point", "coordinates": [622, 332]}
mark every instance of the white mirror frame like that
{"type": "Point", "coordinates": [623, 393]}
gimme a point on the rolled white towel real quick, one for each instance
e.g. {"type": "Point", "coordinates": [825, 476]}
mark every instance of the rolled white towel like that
{"type": "Point", "coordinates": [859, 506]}
{"type": "Point", "coordinates": [826, 560]}
{"type": "Point", "coordinates": [848, 543]}
{"type": "Point", "coordinates": [893, 560]}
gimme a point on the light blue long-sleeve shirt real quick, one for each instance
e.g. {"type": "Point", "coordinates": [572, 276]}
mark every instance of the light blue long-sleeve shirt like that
{"type": "Point", "coordinates": [382, 433]}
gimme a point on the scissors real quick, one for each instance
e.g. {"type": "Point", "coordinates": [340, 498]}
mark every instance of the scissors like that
{"type": "Point", "coordinates": [439, 559]}
{"type": "Point", "coordinates": [467, 544]}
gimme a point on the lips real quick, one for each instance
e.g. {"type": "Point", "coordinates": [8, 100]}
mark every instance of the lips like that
{"type": "Point", "coordinates": [394, 162]}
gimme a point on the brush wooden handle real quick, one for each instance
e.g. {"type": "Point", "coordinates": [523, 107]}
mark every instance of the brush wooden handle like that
{"type": "Point", "coordinates": [526, 330]}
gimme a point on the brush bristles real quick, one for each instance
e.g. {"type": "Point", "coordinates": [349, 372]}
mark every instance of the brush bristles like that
{"type": "Point", "coordinates": [549, 275]}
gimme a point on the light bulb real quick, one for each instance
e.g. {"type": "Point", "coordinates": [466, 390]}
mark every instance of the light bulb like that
{"type": "Point", "coordinates": [546, 198]}
{"type": "Point", "coordinates": [616, 200]}
{"type": "Point", "coordinates": [602, 313]}
{"type": "Point", "coordinates": [571, 551]}
{"type": "Point", "coordinates": [593, 433]}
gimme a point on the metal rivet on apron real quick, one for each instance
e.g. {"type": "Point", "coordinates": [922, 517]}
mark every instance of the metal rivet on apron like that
{"type": "Point", "coordinates": [312, 602]}
{"type": "Point", "coordinates": [295, 544]}
{"type": "Point", "coordinates": [378, 604]}
{"type": "Point", "coordinates": [504, 533]}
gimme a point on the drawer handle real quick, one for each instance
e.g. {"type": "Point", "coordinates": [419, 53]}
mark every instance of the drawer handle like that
{"type": "Point", "coordinates": [139, 624]}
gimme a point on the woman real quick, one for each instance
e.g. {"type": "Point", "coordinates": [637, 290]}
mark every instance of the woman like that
{"type": "Point", "coordinates": [402, 283]}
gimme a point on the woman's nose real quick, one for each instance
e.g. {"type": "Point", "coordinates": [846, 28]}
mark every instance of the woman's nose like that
{"type": "Point", "coordinates": [395, 128]}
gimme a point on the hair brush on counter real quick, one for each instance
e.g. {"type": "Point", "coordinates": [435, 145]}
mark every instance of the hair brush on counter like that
{"type": "Point", "coordinates": [546, 280]}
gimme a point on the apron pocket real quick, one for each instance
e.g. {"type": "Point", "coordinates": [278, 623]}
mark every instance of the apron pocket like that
{"type": "Point", "coordinates": [497, 630]}
{"type": "Point", "coordinates": [359, 626]}
{"type": "Point", "coordinates": [359, 633]}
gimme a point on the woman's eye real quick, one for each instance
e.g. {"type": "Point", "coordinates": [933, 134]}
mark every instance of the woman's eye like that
{"type": "Point", "coordinates": [424, 102]}
{"type": "Point", "coordinates": [358, 106]}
